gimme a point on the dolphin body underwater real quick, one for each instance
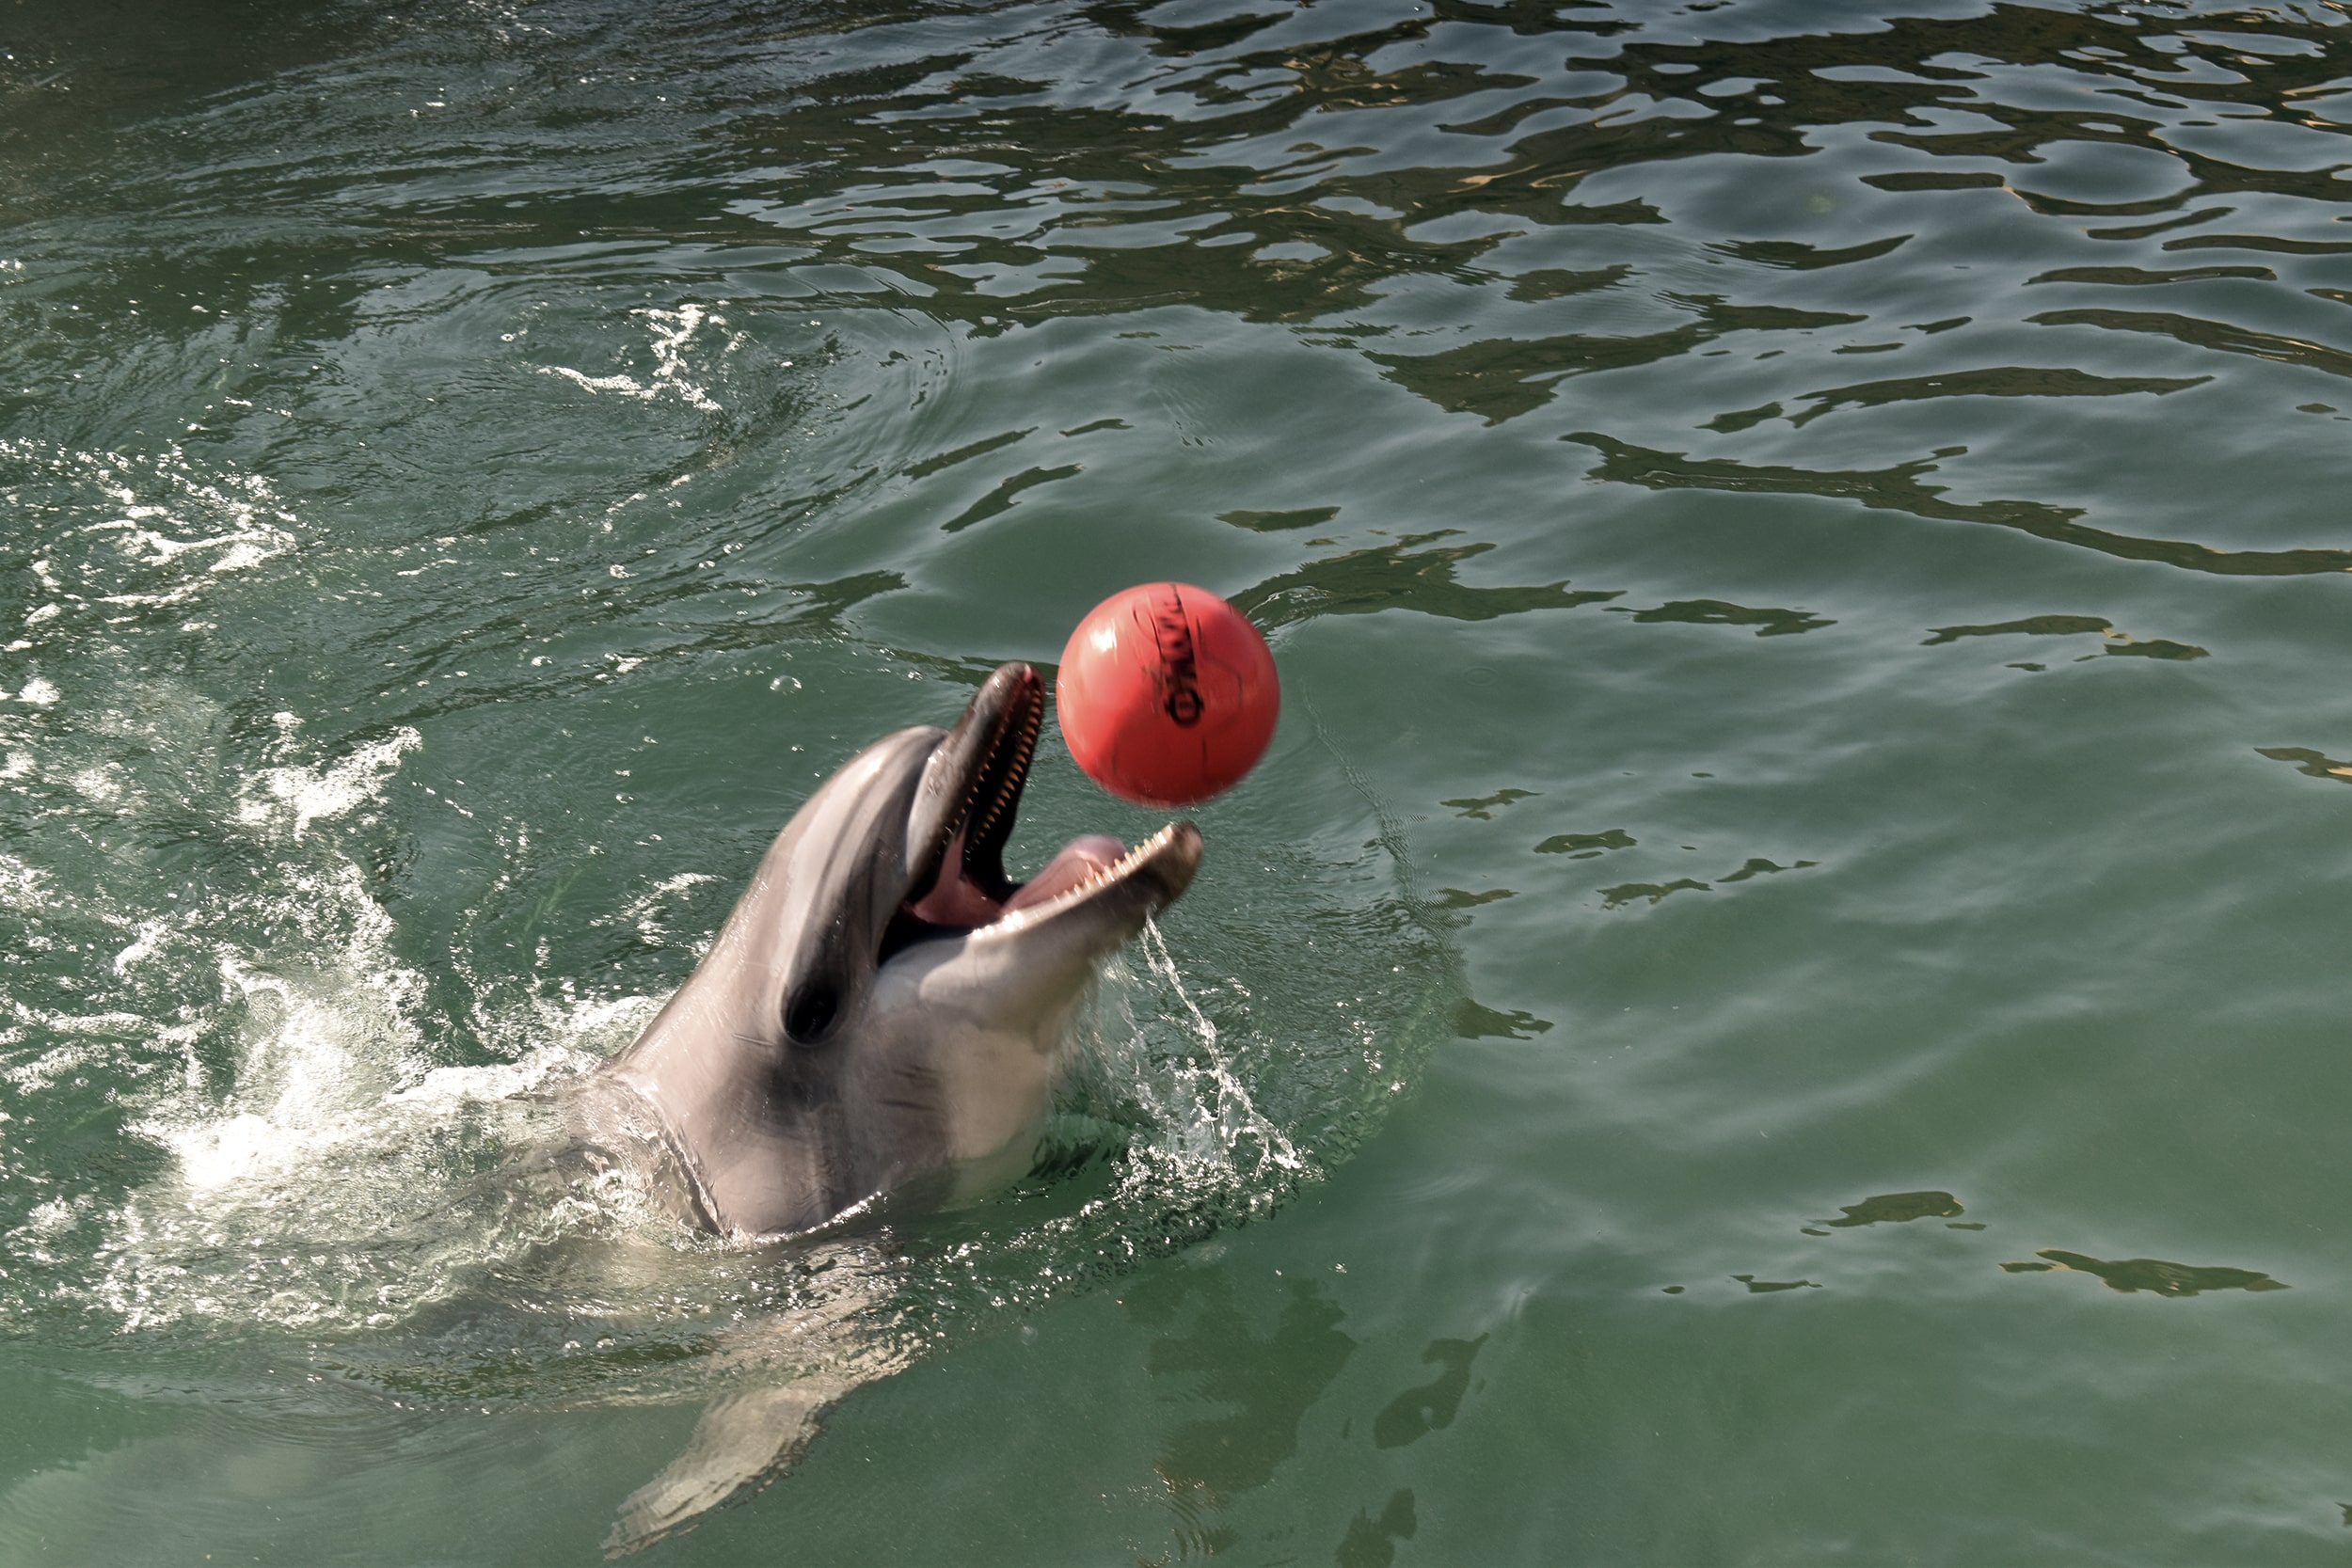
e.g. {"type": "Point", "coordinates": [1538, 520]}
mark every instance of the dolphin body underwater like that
{"type": "Point", "coordinates": [875, 1032]}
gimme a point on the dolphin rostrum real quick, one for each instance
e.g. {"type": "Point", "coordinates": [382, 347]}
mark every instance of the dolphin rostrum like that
{"type": "Point", "coordinates": [877, 1024]}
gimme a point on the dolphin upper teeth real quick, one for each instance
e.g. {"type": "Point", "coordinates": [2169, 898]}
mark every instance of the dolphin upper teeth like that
{"type": "Point", "coordinates": [1016, 770]}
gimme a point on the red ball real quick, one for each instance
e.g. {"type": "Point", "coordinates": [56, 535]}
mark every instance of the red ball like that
{"type": "Point", "coordinates": [1166, 694]}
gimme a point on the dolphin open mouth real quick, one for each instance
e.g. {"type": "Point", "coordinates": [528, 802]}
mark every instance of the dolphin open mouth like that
{"type": "Point", "coordinates": [963, 818]}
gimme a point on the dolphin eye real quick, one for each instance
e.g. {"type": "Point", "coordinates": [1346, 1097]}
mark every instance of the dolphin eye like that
{"type": "Point", "coordinates": [809, 1015]}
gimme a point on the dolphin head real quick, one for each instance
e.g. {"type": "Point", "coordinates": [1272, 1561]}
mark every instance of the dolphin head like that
{"type": "Point", "coordinates": [881, 1015]}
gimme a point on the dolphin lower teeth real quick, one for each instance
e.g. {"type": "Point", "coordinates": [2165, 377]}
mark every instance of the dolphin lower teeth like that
{"type": "Point", "coordinates": [1016, 919]}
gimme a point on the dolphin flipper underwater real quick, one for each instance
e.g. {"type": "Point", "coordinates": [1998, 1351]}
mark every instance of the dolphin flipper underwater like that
{"type": "Point", "coordinates": [749, 1437]}
{"type": "Point", "coordinates": [877, 1028]}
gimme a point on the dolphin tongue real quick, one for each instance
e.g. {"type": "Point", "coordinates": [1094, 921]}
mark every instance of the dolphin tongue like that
{"type": "Point", "coordinates": [955, 899]}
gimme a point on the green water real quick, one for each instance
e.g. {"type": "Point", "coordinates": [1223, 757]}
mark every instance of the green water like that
{"type": "Point", "coordinates": [1779, 997]}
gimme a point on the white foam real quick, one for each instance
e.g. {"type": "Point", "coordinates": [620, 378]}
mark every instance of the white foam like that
{"type": "Point", "coordinates": [31, 1078]}
{"type": "Point", "coordinates": [50, 1219]}
{"type": "Point", "coordinates": [102, 784]}
{"type": "Point", "coordinates": [169, 525]}
{"type": "Point", "coordinates": [297, 795]}
{"type": "Point", "coordinates": [143, 946]}
{"type": "Point", "coordinates": [673, 331]}
{"type": "Point", "coordinates": [629, 386]}
{"type": "Point", "coordinates": [647, 910]}
{"type": "Point", "coordinates": [22, 886]}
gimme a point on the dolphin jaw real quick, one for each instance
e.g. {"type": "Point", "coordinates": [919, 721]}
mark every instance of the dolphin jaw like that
{"type": "Point", "coordinates": [1175, 851]}
{"type": "Point", "coordinates": [964, 815]}
{"type": "Point", "coordinates": [982, 774]}
{"type": "Point", "coordinates": [1009, 765]}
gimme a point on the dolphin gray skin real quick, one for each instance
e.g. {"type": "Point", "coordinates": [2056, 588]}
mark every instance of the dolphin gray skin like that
{"type": "Point", "coordinates": [879, 1021]}
{"type": "Point", "coordinates": [875, 1030]}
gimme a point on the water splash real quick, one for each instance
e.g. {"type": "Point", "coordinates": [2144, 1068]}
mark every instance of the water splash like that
{"type": "Point", "coordinates": [1210, 1116]}
{"type": "Point", "coordinates": [314, 1146]}
{"type": "Point", "coordinates": [324, 1166]}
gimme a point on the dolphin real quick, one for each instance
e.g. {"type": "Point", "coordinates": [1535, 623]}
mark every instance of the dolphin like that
{"type": "Point", "coordinates": [877, 1026]}
{"type": "Point", "coordinates": [875, 1031]}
